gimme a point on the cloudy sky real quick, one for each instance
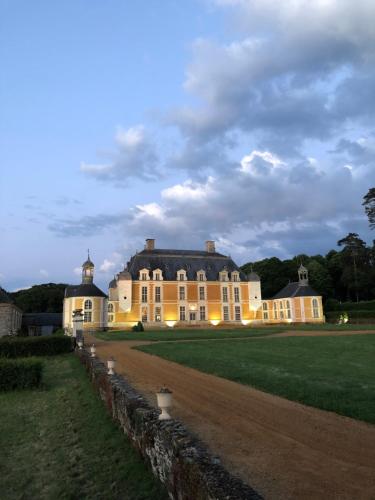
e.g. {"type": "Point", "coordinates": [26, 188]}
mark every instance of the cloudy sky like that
{"type": "Point", "coordinates": [250, 122]}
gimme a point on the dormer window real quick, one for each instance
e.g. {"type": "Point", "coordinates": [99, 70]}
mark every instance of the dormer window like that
{"type": "Point", "coordinates": [223, 275]}
{"type": "Point", "coordinates": [235, 276]}
{"type": "Point", "coordinates": [181, 275]}
{"type": "Point", "coordinates": [201, 276]}
{"type": "Point", "coordinates": [157, 275]}
{"type": "Point", "coordinates": [144, 275]}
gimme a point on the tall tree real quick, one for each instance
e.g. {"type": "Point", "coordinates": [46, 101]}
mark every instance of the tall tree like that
{"type": "Point", "coordinates": [355, 254]}
{"type": "Point", "coordinates": [369, 204]}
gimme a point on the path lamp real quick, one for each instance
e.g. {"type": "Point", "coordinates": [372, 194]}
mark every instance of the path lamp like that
{"type": "Point", "coordinates": [93, 351]}
{"type": "Point", "coordinates": [164, 400]}
{"type": "Point", "coordinates": [111, 366]}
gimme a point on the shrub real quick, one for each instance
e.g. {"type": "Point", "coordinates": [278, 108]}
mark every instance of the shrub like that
{"type": "Point", "coordinates": [138, 327]}
{"type": "Point", "coordinates": [13, 347]}
{"type": "Point", "coordinates": [20, 374]}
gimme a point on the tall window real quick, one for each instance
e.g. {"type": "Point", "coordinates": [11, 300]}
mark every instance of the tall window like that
{"type": "Point", "coordinates": [265, 310]}
{"type": "Point", "coordinates": [158, 314]}
{"type": "Point", "coordinates": [235, 276]}
{"type": "Point", "coordinates": [144, 294]}
{"type": "Point", "coordinates": [181, 276]}
{"type": "Point", "coordinates": [110, 318]}
{"type": "Point", "coordinates": [202, 313]}
{"type": "Point", "coordinates": [181, 292]}
{"type": "Point", "coordinates": [223, 276]}
{"type": "Point", "coordinates": [144, 276]}
{"type": "Point", "coordinates": [281, 310]}
{"type": "Point", "coordinates": [110, 308]}
{"type": "Point", "coordinates": [226, 313]}
{"type": "Point", "coordinates": [237, 313]}
{"type": "Point", "coordinates": [201, 276]}
{"type": "Point", "coordinates": [315, 305]}
{"type": "Point", "coordinates": [288, 311]}
{"type": "Point", "coordinates": [182, 313]}
{"type": "Point", "coordinates": [157, 294]}
{"type": "Point", "coordinates": [157, 276]}
{"type": "Point", "coordinates": [87, 315]}
{"type": "Point", "coordinates": [201, 293]}
{"type": "Point", "coordinates": [275, 310]}
{"type": "Point", "coordinates": [225, 294]}
{"type": "Point", "coordinates": [236, 294]}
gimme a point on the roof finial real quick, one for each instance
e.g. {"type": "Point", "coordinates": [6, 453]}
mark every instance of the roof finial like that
{"type": "Point", "coordinates": [88, 254]}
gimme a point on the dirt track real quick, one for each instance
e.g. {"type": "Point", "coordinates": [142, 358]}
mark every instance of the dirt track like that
{"type": "Point", "coordinates": [285, 450]}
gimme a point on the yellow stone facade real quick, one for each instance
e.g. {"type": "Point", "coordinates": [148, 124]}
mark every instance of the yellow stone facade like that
{"type": "Point", "coordinates": [173, 288]}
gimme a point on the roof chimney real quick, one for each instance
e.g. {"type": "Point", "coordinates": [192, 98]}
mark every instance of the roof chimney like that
{"type": "Point", "coordinates": [210, 246]}
{"type": "Point", "coordinates": [150, 244]}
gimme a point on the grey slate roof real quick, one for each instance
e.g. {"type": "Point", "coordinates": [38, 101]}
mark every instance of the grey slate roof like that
{"type": "Point", "coordinates": [253, 276]}
{"type": "Point", "coordinates": [4, 297]}
{"type": "Point", "coordinates": [83, 290]}
{"type": "Point", "coordinates": [42, 319]}
{"type": "Point", "coordinates": [295, 289]}
{"type": "Point", "coordinates": [192, 261]}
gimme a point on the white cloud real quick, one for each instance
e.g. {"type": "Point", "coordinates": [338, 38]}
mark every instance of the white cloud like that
{"type": "Point", "coordinates": [77, 271]}
{"type": "Point", "coordinates": [135, 157]}
{"type": "Point", "coordinates": [44, 273]}
{"type": "Point", "coordinates": [107, 266]}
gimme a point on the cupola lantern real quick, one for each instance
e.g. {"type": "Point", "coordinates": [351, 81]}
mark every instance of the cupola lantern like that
{"type": "Point", "coordinates": [87, 271]}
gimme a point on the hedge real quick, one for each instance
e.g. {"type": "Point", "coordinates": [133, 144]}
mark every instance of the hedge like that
{"type": "Point", "coordinates": [20, 374]}
{"type": "Point", "coordinates": [14, 347]}
{"type": "Point", "coordinates": [365, 305]}
{"type": "Point", "coordinates": [333, 316]}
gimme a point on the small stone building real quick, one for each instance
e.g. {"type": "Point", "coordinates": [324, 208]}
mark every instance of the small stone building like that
{"type": "Point", "coordinates": [88, 298]}
{"type": "Point", "coordinates": [10, 315]}
{"type": "Point", "coordinates": [37, 324]}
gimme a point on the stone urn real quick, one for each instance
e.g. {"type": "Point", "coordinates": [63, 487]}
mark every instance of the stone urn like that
{"type": "Point", "coordinates": [80, 344]}
{"type": "Point", "coordinates": [111, 366]}
{"type": "Point", "coordinates": [93, 351]}
{"type": "Point", "coordinates": [164, 400]}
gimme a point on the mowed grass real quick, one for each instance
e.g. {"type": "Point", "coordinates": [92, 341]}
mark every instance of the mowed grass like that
{"type": "Point", "coordinates": [59, 443]}
{"type": "Point", "coordinates": [331, 373]}
{"type": "Point", "coordinates": [172, 335]}
{"type": "Point", "coordinates": [175, 334]}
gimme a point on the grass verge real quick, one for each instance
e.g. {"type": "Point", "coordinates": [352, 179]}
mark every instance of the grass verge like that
{"type": "Point", "coordinates": [173, 335]}
{"type": "Point", "coordinates": [59, 443]}
{"type": "Point", "coordinates": [331, 373]}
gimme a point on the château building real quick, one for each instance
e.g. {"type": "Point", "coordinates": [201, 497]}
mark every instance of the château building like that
{"type": "Point", "coordinates": [166, 287]}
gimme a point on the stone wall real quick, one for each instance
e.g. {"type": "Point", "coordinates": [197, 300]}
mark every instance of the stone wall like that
{"type": "Point", "coordinates": [179, 460]}
{"type": "Point", "coordinates": [10, 319]}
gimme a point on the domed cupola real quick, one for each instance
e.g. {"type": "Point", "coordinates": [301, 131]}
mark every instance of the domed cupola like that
{"type": "Point", "coordinates": [113, 283]}
{"type": "Point", "coordinates": [88, 271]}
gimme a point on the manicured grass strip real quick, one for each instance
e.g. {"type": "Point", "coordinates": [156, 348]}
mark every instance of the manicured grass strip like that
{"type": "Point", "coordinates": [59, 443]}
{"type": "Point", "coordinates": [331, 373]}
{"type": "Point", "coordinates": [14, 347]}
{"type": "Point", "coordinates": [20, 374]}
{"type": "Point", "coordinates": [173, 335]}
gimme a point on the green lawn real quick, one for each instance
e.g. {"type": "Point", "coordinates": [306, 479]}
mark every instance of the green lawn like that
{"type": "Point", "coordinates": [332, 373]}
{"type": "Point", "coordinates": [59, 443]}
{"type": "Point", "coordinates": [202, 334]}
{"type": "Point", "coordinates": [177, 334]}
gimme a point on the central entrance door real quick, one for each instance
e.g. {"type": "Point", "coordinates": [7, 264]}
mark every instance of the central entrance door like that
{"type": "Point", "coordinates": [192, 316]}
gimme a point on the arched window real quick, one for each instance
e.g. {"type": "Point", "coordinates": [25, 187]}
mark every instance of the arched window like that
{"type": "Point", "coordinates": [275, 310]}
{"type": "Point", "coordinates": [88, 304]}
{"type": "Point", "coordinates": [110, 308]}
{"type": "Point", "coordinates": [315, 308]}
{"type": "Point", "coordinates": [87, 314]}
